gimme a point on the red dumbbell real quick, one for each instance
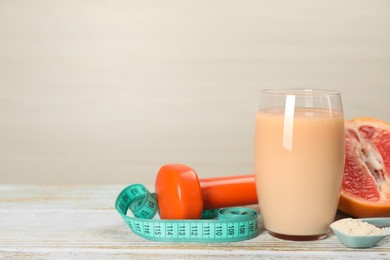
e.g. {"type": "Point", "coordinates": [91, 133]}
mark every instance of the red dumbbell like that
{"type": "Point", "coordinates": [181, 195]}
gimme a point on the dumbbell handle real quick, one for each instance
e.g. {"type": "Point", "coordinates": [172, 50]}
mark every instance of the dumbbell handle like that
{"type": "Point", "coordinates": [228, 191]}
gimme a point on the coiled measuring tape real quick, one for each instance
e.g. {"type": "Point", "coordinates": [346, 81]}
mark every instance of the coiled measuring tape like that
{"type": "Point", "coordinates": [232, 225]}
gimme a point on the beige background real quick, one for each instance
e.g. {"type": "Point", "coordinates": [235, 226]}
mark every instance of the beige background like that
{"type": "Point", "coordinates": [109, 91]}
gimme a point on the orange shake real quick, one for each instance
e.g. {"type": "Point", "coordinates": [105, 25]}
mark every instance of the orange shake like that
{"type": "Point", "coordinates": [298, 166]}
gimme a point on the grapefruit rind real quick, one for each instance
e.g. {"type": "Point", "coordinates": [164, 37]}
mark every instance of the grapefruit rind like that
{"type": "Point", "coordinates": [357, 207]}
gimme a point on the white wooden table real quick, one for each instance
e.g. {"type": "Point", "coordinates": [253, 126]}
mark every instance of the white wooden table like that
{"type": "Point", "coordinates": [68, 222]}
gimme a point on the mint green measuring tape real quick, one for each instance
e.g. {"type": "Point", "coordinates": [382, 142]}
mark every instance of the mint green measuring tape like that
{"type": "Point", "coordinates": [232, 225]}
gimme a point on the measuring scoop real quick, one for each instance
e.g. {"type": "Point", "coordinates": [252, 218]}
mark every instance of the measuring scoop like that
{"type": "Point", "coordinates": [181, 195]}
{"type": "Point", "coordinates": [364, 241]}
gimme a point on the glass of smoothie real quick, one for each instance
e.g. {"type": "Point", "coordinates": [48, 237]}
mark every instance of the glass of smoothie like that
{"type": "Point", "coordinates": [299, 160]}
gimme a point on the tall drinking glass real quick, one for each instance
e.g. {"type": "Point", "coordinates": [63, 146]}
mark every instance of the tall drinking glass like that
{"type": "Point", "coordinates": [299, 159]}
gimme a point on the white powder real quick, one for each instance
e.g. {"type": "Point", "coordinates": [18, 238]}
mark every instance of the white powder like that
{"type": "Point", "coordinates": [356, 227]}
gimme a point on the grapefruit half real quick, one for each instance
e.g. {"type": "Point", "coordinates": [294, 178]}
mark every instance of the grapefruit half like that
{"type": "Point", "coordinates": [365, 190]}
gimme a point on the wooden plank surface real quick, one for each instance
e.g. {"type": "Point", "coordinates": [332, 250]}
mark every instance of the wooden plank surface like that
{"type": "Point", "coordinates": [67, 222]}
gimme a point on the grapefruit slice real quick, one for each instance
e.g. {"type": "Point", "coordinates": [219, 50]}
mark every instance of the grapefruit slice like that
{"type": "Point", "coordinates": [365, 189]}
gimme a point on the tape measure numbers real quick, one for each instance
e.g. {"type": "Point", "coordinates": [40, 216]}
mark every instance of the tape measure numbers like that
{"type": "Point", "coordinates": [232, 225]}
